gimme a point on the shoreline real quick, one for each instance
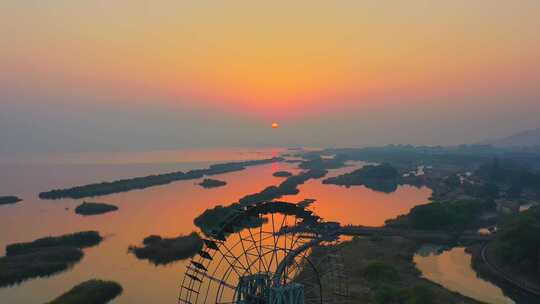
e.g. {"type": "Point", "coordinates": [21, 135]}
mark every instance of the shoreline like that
{"type": "Point", "coordinates": [514, 287]}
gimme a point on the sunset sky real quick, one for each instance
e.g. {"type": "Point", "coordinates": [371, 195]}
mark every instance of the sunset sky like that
{"type": "Point", "coordinates": [140, 75]}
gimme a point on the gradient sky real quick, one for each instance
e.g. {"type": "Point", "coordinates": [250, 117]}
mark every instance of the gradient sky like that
{"type": "Point", "coordinates": [140, 75]}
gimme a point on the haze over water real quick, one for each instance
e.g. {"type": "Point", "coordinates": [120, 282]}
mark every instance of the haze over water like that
{"type": "Point", "coordinates": [133, 75]}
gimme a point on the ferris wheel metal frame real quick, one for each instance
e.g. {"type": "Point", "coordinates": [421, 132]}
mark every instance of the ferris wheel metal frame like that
{"type": "Point", "coordinates": [291, 261]}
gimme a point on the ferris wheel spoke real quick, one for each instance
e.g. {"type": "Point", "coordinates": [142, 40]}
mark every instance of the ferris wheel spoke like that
{"type": "Point", "coordinates": [218, 262]}
{"type": "Point", "coordinates": [286, 250]}
{"type": "Point", "coordinates": [235, 259]}
{"type": "Point", "coordinates": [260, 247]}
{"type": "Point", "coordinates": [307, 275]}
{"type": "Point", "coordinates": [253, 245]}
{"type": "Point", "coordinates": [225, 278]}
{"type": "Point", "coordinates": [277, 249]}
{"type": "Point", "coordinates": [276, 240]}
{"type": "Point", "coordinates": [212, 278]}
{"type": "Point", "coordinates": [262, 256]}
{"type": "Point", "coordinates": [245, 252]}
{"type": "Point", "coordinates": [295, 234]}
{"type": "Point", "coordinates": [262, 261]}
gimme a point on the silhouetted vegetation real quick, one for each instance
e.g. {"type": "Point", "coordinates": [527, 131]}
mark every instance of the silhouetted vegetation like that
{"type": "Point", "coordinates": [44, 257]}
{"type": "Point", "coordinates": [448, 215]}
{"type": "Point", "coordinates": [510, 174]}
{"type": "Point", "coordinates": [282, 174]}
{"type": "Point", "coordinates": [43, 262]}
{"type": "Point", "coordinates": [518, 242]}
{"type": "Point", "coordinates": [463, 156]}
{"type": "Point", "coordinates": [388, 294]}
{"type": "Point", "coordinates": [407, 154]}
{"type": "Point", "coordinates": [211, 220]}
{"type": "Point", "coordinates": [306, 202]}
{"type": "Point", "coordinates": [322, 163]}
{"type": "Point", "coordinates": [88, 208]}
{"type": "Point", "coordinates": [287, 187]}
{"type": "Point", "coordinates": [380, 272]}
{"type": "Point", "coordinates": [162, 251]}
{"type": "Point", "coordinates": [79, 240]}
{"type": "Point", "coordinates": [357, 177]}
{"type": "Point", "coordinates": [384, 178]}
{"type": "Point", "coordinates": [482, 191]}
{"type": "Point", "coordinates": [212, 183]}
{"type": "Point", "coordinates": [5, 200]}
{"type": "Point", "coordinates": [124, 185]}
{"type": "Point", "coordinates": [90, 292]}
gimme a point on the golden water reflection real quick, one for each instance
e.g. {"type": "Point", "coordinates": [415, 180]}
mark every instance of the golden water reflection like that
{"type": "Point", "coordinates": [165, 210]}
{"type": "Point", "coordinates": [452, 269]}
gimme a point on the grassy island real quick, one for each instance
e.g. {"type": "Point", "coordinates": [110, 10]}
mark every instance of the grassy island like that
{"type": "Point", "coordinates": [124, 185]}
{"type": "Point", "coordinates": [88, 208]}
{"type": "Point", "coordinates": [44, 257]}
{"type": "Point", "coordinates": [287, 187]}
{"type": "Point", "coordinates": [79, 240]}
{"type": "Point", "coordinates": [282, 174]}
{"type": "Point", "coordinates": [456, 215]}
{"type": "Point", "coordinates": [318, 162]}
{"type": "Point", "coordinates": [441, 216]}
{"type": "Point", "coordinates": [212, 183]}
{"type": "Point", "coordinates": [210, 220]}
{"type": "Point", "coordinates": [90, 292]}
{"type": "Point", "coordinates": [384, 178]}
{"type": "Point", "coordinates": [161, 251]}
{"type": "Point", "coordinates": [44, 262]}
{"type": "Point", "coordinates": [6, 200]}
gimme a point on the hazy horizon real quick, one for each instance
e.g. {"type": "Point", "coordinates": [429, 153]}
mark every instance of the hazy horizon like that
{"type": "Point", "coordinates": [133, 76]}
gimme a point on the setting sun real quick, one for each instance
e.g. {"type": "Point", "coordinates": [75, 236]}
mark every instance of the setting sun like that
{"type": "Point", "coordinates": [409, 129]}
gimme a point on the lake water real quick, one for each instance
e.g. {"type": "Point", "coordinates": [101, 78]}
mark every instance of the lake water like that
{"type": "Point", "coordinates": [452, 269]}
{"type": "Point", "coordinates": [166, 210]}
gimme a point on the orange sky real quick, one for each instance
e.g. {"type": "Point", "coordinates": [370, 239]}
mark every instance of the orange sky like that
{"type": "Point", "coordinates": [262, 57]}
{"type": "Point", "coordinates": [467, 69]}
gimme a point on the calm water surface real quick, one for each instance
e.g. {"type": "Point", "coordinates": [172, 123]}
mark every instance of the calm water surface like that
{"type": "Point", "coordinates": [452, 269]}
{"type": "Point", "coordinates": [165, 210]}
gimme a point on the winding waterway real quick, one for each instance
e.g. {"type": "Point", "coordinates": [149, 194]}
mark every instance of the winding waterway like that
{"type": "Point", "coordinates": [452, 269]}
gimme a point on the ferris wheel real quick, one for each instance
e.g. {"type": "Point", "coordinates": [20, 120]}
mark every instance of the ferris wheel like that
{"type": "Point", "coordinates": [270, 253]}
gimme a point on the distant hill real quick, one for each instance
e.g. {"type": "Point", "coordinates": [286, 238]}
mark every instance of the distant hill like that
{"type": "Point", "coordinates": [529, 138]}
